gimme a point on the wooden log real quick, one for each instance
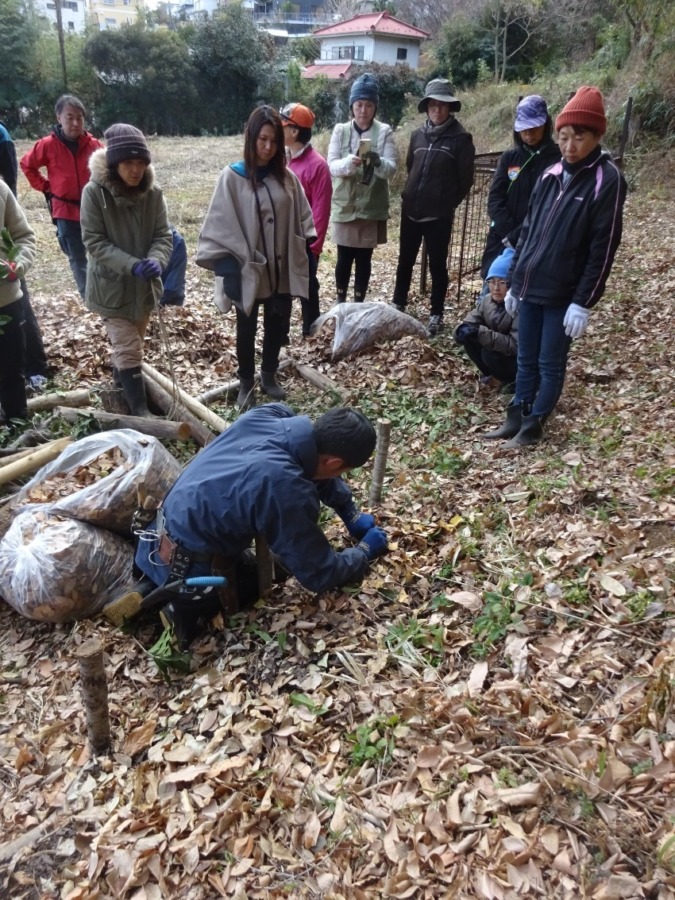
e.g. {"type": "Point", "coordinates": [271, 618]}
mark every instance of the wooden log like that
{"type": "Point", "coordinates": [94, 689]}
{"type": "Point", "coordinates": [164, 429]}
{"type": "Point", "coordinates": [383, 435]}
{"type": "Point", "coordinates": [318, 380]}
{"type": "Point", "coordinates": [232, 387]}
{"type": "Point", "coordinates": [33, 461]}
{"type": "Point", "coordinates": [66, 398]}
{"type": "Point", "coordinates": [196, 408]}
{"type": "Point", "coordinates": [265, 565]}
{"type": "Point", "coordinates": [164, 401]}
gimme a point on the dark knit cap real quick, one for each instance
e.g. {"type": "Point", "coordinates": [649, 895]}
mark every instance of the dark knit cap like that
{"type": "Point", "coordinates": [586, 108]}
{"type": "Point", "coordinates": [366, 87]}
{"type": "Point", "coordinates": [125, 142]}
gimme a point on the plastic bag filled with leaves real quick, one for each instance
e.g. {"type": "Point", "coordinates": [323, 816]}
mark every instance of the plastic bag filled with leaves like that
{"type": "Point", "coordinates": [56, 569]}
{"type": "Point", "coordinates": [360, 325]}
{"type": "Point", "coordinates": [96, 479]}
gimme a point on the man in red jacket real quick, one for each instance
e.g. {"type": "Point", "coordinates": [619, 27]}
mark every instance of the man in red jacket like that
{"type": "Point", "coordinates": [64, 154]}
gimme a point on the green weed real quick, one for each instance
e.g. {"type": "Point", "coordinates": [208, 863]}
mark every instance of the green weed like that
{"type": "Point", "coordinates": [500, 614]}
{"type": "Point", "coordinates": [425, 638]}
{"type": "Point", "coordinates": [374, 742]}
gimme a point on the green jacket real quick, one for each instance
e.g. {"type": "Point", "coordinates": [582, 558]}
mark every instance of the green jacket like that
{"type": "Point", "coordinates": [13, 219]}
{"type": "Point", "coordinates": [120, 226]}
{"type": "Point", "coordinates": [351, 199]}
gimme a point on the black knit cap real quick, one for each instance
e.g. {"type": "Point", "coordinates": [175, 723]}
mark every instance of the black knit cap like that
{"type": "Point", "coordinates": [125, 142]}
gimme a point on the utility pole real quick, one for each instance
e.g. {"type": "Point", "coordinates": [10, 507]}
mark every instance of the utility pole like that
{"type": "Point", "coordinates": [62, 47]}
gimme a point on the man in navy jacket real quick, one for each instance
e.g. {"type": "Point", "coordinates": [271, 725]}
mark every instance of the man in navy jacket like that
{"type": "Point", "coordinates": [268, 474]}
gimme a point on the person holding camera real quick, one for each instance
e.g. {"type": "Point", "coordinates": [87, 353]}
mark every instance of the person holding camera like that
{"type": "Point", "coordinates": [362, 158]}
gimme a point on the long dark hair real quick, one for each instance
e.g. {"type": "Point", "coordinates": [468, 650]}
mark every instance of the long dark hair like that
{"type": "Point", "coordinates": [261, 116]}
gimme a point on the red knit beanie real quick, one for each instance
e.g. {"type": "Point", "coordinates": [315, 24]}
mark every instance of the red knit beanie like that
{"type": "Point", "coordinates": [586, 108]}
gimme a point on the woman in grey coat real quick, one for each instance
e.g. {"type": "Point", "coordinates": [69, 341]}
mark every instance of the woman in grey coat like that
{"type": "Point", "coordinates": [128, 239]}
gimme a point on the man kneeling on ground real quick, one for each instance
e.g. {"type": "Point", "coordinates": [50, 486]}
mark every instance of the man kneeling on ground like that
{"type": "Point", "coordinates": [267, 474]}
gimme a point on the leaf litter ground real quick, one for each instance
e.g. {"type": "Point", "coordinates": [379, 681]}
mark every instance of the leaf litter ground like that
{"type": "Point", "coordinates": [490, 714]}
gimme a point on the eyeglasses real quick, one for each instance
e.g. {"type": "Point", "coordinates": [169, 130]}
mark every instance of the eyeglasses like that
{"type": "Point", "coordinates": [497, 281]}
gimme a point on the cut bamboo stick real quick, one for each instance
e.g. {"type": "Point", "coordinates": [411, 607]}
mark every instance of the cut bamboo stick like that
{"type": "Point", "coordinates": [231, 387]}
{"type": "Point", "coordinates": [383, 435]}
{"type": "Point", "coordinates": [318, 380]}
{"type": "Point", "coordinates": [31, 463]}
{"type": "Point", "coordinates": [171, 407]}
{"type": "Point", "coordinates": [164, 429]}
{"type": "Point", "coordinates": [94, 688]}
{"type": "Point", "coordinates": [66, 398]}
{"type": "Point", "coordinates": [198, 409]}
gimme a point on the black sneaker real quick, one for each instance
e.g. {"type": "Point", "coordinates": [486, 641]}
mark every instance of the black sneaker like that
{"type": "Point", "coordinates": [435, 325]}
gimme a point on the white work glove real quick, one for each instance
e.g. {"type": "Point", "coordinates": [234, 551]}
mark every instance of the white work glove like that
{"type": "Point", "coordinates": [575, 321]}
{"type": "Point", "coordinates": [511, 302]}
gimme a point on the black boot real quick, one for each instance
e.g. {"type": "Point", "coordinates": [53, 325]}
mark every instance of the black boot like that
{"type": "Point", "coordinates": [268, 383]}
{"type": "Point", "coordinates": [116, 377]}
{"type": "Point", "coordinates": [531, 432]}
{"type": "Point", "coordinates": [245, 396]}
{"type": "Point", "coordinates": [359, 295]}
{"type": "Point", "coordinates": [133, 388]}
{"type": "Point", "coordinates": [340, 295]}
{"type": "Point", "coordinates": [511, 427]}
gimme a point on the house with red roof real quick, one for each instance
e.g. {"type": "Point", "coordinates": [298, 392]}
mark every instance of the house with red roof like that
{"type": "Point", "coordinates": [369, 37]}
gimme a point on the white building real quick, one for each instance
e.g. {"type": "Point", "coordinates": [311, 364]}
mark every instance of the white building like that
{"type": "Point", "coordinates": [370, 37]}
{"type": "Point", "coordinates": [73, 13]}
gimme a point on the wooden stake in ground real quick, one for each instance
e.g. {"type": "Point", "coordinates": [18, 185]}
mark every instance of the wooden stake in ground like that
{"type": "Point", "coordinates": [94, 687]}
{"type": "Point", "coordinates": [383, 434]}
{"type": "Point", "coordinates": [265, 562]}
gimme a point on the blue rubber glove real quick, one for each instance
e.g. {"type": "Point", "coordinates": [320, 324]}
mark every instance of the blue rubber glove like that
{"type": "Point", "coordinates": [358, 523]}
{"type": "Point", "coordinates": [374, 543]}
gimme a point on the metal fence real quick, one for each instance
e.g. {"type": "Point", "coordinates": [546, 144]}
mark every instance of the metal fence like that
{"type": "Point", "coordinates": [469, 232]}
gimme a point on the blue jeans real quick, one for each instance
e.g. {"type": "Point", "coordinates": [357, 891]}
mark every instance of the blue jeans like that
{"type": "Point", "coordinates": [543, 347]}
{"type": "Point", "coordinates": [69, 234]}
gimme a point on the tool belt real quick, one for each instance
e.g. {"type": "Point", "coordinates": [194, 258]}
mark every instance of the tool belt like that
{"type": "Point", "coordinates": [178, 557]}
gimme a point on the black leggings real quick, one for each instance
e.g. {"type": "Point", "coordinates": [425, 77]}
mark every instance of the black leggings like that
{"type": "Point", "coordinates": [276, 322]}
{"type": "Point", "coordinates": [362, 257]}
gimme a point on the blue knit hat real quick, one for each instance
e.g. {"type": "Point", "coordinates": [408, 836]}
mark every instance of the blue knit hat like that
{"type": "Point", "coordinates": [366, 87]}
{"type": "Point", "coordinates": [500, 267]}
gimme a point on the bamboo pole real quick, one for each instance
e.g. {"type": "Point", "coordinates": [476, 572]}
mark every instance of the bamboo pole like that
{"type": "Point", "coordinates": [44, 454]}
{"type": "Point", "coordinates": [231, 386]}
{"type": "Point", "coordinates": [383, 435]}
{"type": "Point", "coordinates": [198, 409]}
{"type": "Point", "coordinates": [171, 407]}
{"type": "Point", "coordinates": [94, 689]}
{"type": "Point", "coordinates": [66, 398]}
{"type": "Point", "coordinates": [318, 380]}
{"type": "Point", "coordinates": [164, 429]}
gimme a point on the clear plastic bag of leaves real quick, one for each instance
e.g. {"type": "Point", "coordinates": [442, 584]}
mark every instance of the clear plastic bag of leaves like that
{"type": "Point", "coordinates": [361, 325]}
{"type": "Point", "coordinates": [56, 569]}
{"type": "Point", "coordinates": [96, 479]}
